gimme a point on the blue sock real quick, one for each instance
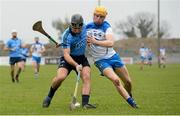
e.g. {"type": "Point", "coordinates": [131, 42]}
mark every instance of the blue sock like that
{"type": "Point", "coordinates": [48, 98]}
{"type": "Point", "coordinates": [85, 99]}
{"type": "Point", "coordinates": [131, 101]}
{"type": "Point", "coordinates": [51, 92]}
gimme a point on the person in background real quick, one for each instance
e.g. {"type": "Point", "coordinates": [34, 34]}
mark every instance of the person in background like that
{"type": "Point", "coordinates": [143, 56]}
{"type": "Point", "coordinates": [24, 54]}
{"type": "Point", "coordinates": [149, 56]}
{"type": "Point", "coordinates": [14, 45]}
{"type": "Point", "coordinates": [37, 49]}
{"type": "Point", "coordinates": [162, 57]}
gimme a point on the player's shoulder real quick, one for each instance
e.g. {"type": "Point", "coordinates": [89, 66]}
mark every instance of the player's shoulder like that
{"type": "Point", "coordinates": [84, 29]}
{"type": "Point", "coordinates": [106, 24]}
{"type": "Point", "coordinates": [9, 40]}
{"type": "Point", "coordinates": [35, 44]}
{"type": "Point", "coordinates": [90, 25]}
{"type": "Point", "coordinates": [66, 33]}
{"type": "Point", "coordinates": [39, 43]}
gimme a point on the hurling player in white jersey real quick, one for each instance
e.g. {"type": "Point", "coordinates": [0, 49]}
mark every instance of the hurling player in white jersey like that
{"type": "Point", "coordinates": [37, 49]}
{"type": "Point", "coordinates": [101, 41]}
{"type": "Point", "coordinates": [143, 55]}
{"type": "Point", "coordinates": [162, 57]}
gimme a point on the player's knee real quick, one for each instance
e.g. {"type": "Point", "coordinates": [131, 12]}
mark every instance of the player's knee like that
{"type": "Point", "coordinates": [128, 82]}
{"type": "Point", "coordinates": [12, 70]}
{"type": "Point", "coordinates": [116, 82]}
{"type": "Point", "coordinates": [21, 67]}
{"type": "Point", "coordinates": [86, 78]}
{"type": "Point", "coordinates": [60, 78]}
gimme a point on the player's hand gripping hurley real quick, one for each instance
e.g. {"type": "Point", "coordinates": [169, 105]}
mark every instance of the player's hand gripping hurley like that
{"type": "Point", "coordinates": [74, 98]}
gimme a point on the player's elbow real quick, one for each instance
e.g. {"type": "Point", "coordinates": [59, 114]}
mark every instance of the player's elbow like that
{"type": "Point", "coordinates": [31, 50]}
{"type": "Point", "coordinates": [66, 55]}
{"type": "Point", "coordinates": [111, 44]}
{"type": "Point", "coordinates": [5, 49]}
{"type": "Point", "coordinates": [43, 50]}
{"type": "Point", "coordinates": [110, 40]}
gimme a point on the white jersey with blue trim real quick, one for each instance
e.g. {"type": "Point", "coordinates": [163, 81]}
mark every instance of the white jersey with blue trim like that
{"type": "Point", "coordinates": [143, 52]}
{"type": "Point", "coordinates": [37, 48]}
{"type": "Point", "coordinates": [98, 32]}
{"type": "Point", "coordinates": [162, 51]}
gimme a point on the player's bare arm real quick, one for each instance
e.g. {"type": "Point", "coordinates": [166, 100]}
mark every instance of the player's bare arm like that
{"type": "Point", "coordinates": [32, 49]}
{"type": "Point", "coordinates": [109, 42]}
{"type": "Point", "coordinates": [43, 49]}
{"type": "Point", "coordinates": [70, 60]}
{"type": "Point", "coordinates": [6, 48]}
{"type": "Point", "coordinates": [24, 45]}
{"type": "Point", "coordinates": [9, 49]}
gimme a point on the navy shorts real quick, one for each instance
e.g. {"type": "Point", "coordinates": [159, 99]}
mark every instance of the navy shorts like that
{"type": "Point", "coordinates": [24, 59]}
{"type": "Point", "coordinates": [142, 58]}
{"type": "Point", "coordinates": [14, 60]}
{"type": "Point", "coordinates": [79, 59]}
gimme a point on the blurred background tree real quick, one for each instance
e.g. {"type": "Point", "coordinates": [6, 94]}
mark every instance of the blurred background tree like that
{"type": "Point", "coordinates": [61, 25]}
{"type": "Point", "coordinates": [142, 25]}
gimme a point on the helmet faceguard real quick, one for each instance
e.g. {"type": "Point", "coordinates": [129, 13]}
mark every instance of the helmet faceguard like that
{"type": "Point", "coordinates": [76, 26]}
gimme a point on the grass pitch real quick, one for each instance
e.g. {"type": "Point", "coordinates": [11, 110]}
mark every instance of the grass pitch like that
{"type": "Point", "coordinates": [157, 91]}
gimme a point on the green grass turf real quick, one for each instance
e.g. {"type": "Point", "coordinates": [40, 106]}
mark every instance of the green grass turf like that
{"type": "Point", "coordinates": [157, 91]}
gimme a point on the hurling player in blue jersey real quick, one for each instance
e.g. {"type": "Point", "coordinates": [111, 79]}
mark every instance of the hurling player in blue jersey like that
{"type": "Point", "coordinates": [14, 46]}
{"type": "Point", "coordinates": [101, 41]}
{"type": "Point", "coordinates": [73, 45]}
{"type": "Point", "coordinates": [25, 55]}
